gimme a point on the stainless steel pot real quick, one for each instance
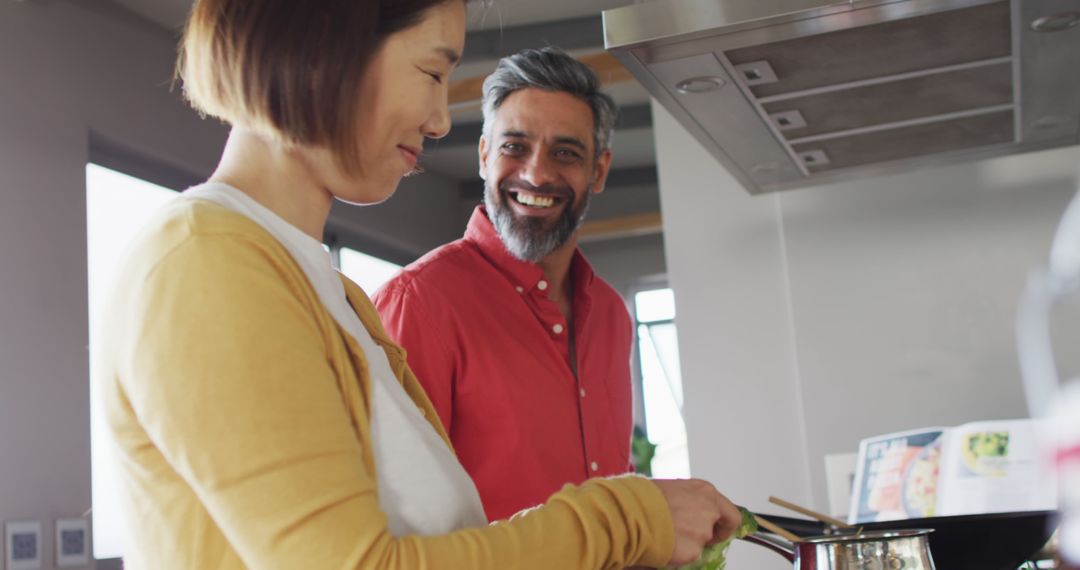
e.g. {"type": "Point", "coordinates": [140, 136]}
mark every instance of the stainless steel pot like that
{"type": "Point", "coordinates": [881, 550]}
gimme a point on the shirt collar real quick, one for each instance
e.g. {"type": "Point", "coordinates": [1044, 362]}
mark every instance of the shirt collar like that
{"type": "Point", "coordinates": [481, 232]}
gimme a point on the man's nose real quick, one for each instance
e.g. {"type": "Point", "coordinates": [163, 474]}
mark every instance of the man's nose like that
{"type": "Point", "coordinates": [539, 171]}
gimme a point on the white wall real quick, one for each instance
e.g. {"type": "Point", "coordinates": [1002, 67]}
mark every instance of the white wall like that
{"type": "Point", "coordinates": [813, 318]}
{"type": "Point", "coordinates": [741, 400]}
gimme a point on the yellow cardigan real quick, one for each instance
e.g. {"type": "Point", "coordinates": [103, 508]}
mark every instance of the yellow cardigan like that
{"type": "Point", "coordinates": [240, 411]}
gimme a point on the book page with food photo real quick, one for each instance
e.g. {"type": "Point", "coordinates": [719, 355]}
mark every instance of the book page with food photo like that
{"type": "Point", "coordinates": [974, 468]}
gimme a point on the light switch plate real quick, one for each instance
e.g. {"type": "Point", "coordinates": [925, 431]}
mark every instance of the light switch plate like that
{"type": "Point", "coordinates": [72, 543]}
{"type": "Point", "coordinates": [23, 545]}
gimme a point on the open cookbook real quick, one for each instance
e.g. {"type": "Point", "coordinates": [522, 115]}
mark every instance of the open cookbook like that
{"type": "Point", "coordinates": [974, 468]}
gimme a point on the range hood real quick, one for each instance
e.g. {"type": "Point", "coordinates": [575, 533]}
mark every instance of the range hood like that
{"type": "Point", "coordinates": [795, 93]}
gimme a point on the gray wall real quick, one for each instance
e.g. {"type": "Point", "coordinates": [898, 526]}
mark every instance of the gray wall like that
{"type": "Point", "coordinates": [813, 318]}
{"type": "Point", "coordinates": [626, 262]}
{"type": "Point", "coordinates": [624, 200]}
{"type": "Point", "coordinates": [69, 70]}
{"type": "Point", "coordinates": [422, 214]}
{"type": "Point", "coordinates": [66, 70]}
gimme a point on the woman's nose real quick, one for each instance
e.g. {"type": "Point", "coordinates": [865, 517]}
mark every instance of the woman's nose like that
{"type": "Point", "coordinates": [438, 123]}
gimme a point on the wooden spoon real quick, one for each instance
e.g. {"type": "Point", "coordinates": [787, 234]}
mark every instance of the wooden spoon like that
{"type": "Point", "coordinates": [812, 514]}
{"type": "Point", "coordinates": [776, 529]}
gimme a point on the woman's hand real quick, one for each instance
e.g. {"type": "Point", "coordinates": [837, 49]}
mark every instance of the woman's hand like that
{"type": "Point", "coordinates": [701, 516]}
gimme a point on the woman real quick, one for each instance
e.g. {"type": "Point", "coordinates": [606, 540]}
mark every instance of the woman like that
{"type": "Point", "coordinates": [262, 416]}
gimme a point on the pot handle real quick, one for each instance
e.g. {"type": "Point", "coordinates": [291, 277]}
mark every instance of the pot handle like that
{"type": "Point", "coordinates": [773, 543]}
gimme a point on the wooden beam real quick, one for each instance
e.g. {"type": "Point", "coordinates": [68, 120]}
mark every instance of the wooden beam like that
{"type": "Point", "coordinates": [606, 67]}
{"type": "Point", "coordinates": [466, 90]}
{"type": "Point", "coordinates": [626, 226]}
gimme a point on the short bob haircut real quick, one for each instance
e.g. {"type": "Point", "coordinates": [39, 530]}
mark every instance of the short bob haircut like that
{"type": "Point", "coordinates": [289, 69]}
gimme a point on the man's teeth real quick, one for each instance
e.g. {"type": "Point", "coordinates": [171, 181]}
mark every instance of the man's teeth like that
{"type": "Point", "coordinates": [535, 201]}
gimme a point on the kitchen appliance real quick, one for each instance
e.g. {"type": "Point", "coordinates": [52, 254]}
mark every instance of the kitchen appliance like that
{"type": "Point", "coordinates": [879, 550]}
{"type": "Point", "coordinates": [999, 541]}
{"type": "Point", "coordinates": [795, 93]}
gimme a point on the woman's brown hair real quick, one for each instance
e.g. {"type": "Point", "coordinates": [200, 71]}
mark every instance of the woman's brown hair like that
{"type": "Point", "coordinates": [289, 69]}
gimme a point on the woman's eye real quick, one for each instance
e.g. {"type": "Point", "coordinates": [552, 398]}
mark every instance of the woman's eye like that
{"type": "Point", "coordinates": [435, 75]}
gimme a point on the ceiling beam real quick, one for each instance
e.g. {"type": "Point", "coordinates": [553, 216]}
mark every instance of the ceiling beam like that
{"type": "Point", "coordinates": [626, 226]}
{"type": "Point", "coordinates": [633, 176]}
{"type": "Point", "coordinates": [606, 67]}
{"type": "Point", "coordinates": [582, 33]}
{"type": "Point", "coordinates": [630, 117]}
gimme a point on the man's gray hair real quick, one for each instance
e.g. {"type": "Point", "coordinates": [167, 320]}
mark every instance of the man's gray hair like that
{"type": "Point", "coordinates": [550, 69]}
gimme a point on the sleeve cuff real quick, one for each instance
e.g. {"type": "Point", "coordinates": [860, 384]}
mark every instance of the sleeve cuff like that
{"type": "Point", "coordinates": [658, 524]}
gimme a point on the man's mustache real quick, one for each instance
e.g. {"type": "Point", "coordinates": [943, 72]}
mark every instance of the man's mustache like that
{"type": "Point", "coordinates": [549, 189]}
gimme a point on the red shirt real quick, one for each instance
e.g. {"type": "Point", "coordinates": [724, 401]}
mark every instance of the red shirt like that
{"type": "Point", "coordinates": [493, 353]}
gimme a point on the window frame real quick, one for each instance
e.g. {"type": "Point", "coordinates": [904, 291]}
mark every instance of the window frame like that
{"type": "Point", "coordinates": [641, 285]}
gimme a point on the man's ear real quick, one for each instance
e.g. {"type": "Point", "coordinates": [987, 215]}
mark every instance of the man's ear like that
{"type": "Point", "coordinates": [600, 172]}
{"type": "Point", "coordinates": [482, 151]}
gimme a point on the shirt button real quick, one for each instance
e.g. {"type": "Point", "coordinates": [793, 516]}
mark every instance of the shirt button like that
{"type": "Point", "coordinates": [583, 392]}
{"type": "Point", "coordinates": [557, 328]}
{"type": "Point", "coordinates": [519, 289]}
{"type": "Point", "coordinates": [542, 285]}
{"type": "Point", "coordinates": [594, 466]}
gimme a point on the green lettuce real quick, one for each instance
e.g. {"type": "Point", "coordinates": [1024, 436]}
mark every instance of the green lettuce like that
{"type": "Point", "coordinates": [714, 557]}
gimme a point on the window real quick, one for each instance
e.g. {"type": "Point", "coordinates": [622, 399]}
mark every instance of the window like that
{"type": "Point", "coordinates": [117, 206]}
{"type": "Point", "coordinates": [367, 271]}
{"type": "Point", "coordinates": [661, 381]}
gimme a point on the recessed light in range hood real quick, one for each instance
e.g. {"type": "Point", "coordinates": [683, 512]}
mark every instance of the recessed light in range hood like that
{"type": "Point", "coordinates": [793, 93]}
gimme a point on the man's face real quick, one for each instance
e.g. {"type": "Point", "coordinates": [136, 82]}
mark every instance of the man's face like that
{"type": "Point", "coordinates": [539, 170]}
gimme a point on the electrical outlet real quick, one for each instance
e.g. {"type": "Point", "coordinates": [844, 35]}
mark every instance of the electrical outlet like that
{"type": "Point", "coordinates": [23, 540]}
{"type": "Point", "coordinates": [72, 542]}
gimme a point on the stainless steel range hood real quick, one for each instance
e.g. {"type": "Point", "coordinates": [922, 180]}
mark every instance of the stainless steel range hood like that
{"type": "Point", "coordinates": [794, 93]}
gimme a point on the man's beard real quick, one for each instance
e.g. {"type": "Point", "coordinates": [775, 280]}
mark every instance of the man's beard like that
{"type": "Point", "coordinates": [525, 237]}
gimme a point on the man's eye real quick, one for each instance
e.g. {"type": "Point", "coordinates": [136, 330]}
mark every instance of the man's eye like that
{"type": "Point", "coordinates": [512, 147]}
{"type": "Point", "coordinates": [567, 154]}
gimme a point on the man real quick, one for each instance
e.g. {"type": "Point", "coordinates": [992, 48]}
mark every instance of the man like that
{"type": "Point", "coordinates": [523, 350]}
